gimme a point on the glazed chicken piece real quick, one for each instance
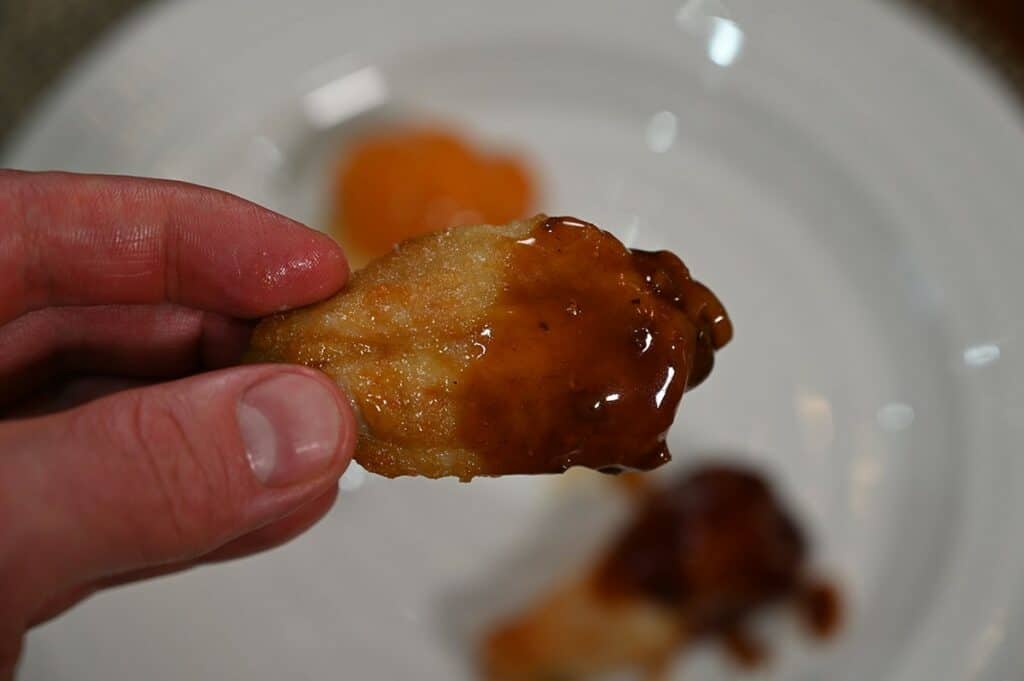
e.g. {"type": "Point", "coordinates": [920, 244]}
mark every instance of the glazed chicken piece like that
{"type": "Point", "coordinates": [525, 348]}
{"type": "Point", "coordinates": [698, 560]}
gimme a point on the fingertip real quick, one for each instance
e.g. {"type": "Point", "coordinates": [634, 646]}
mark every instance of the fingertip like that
{"type": "Point", "coordinates": [348, 424]}
{"type": "Point", "coordinates": [307, 267]}
{"type": "Point", "coordinates": [296, 426]}
{"type": "Point", "coordinates": [329, 268]}
{"type": "Point", "coordinates": [348, 427]}
{"type": "Point", "coordinates": [335, 259]}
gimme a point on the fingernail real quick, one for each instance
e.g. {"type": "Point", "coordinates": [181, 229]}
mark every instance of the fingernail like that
{"type": "Point", "coordinates": [290, 425]}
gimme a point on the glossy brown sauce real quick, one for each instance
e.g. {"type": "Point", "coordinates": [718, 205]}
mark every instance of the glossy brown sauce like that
{"type": "Point", "coordinates": [718, 546]}
{"type": "Point", "coordinates": [588, 354]}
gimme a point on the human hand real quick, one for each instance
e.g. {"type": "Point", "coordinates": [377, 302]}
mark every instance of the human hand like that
{"type": "Point", "coordinates": [150, 280]}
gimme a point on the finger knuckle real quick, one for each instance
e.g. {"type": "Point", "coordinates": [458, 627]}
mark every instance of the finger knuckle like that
{"type": "Point", "coordinates": [192, 489]}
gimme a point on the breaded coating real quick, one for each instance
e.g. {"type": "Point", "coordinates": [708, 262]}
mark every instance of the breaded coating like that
{"type": "Point", "coordinates": [523, 348]}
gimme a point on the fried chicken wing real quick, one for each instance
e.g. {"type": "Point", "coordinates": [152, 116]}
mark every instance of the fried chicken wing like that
{"type": "Point", "coordinates": [577, 632]}
{"type": "Point", "coordinates": [525, 348]}
{"type": "Point", "coordinates": [698, 560]}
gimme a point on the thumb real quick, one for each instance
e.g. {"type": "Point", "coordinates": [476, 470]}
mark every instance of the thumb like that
{"type": "Point", "coordinates": [168, 473]}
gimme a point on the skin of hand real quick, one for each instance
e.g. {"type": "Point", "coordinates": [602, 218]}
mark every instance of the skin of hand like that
{"type": "Point", "coordinates": [149, 281]}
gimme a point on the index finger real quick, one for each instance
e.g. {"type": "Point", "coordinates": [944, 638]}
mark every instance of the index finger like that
{"type": "Point", "coordinates": [68, 239]}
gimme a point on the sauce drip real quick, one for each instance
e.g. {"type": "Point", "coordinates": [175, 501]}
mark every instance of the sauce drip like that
{"type": "Point", "coordinates": [587, 355]}
{"type": "Point", "coordinates": [717, 546]}
{"type": "Point", "coordinates": [398, 184]}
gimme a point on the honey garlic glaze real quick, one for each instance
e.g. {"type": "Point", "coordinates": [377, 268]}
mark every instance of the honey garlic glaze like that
{"type": "Point", "coordinates": [588, 354]}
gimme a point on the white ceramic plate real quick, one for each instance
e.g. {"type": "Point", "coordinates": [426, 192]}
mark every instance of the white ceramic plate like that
{"type": "Point", "coordinates": [848, 182]}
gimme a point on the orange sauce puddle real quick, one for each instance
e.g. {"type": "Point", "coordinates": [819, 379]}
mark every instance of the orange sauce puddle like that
{"type": "Point", "coordinates": [400, 183]}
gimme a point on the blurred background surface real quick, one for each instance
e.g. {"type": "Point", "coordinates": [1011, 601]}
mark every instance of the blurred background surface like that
{"type": "Point", "coordinates": [39, 39]}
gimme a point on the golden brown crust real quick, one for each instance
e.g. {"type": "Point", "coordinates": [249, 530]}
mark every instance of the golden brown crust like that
{"type": "Point", "coordinates": [397, 339]}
